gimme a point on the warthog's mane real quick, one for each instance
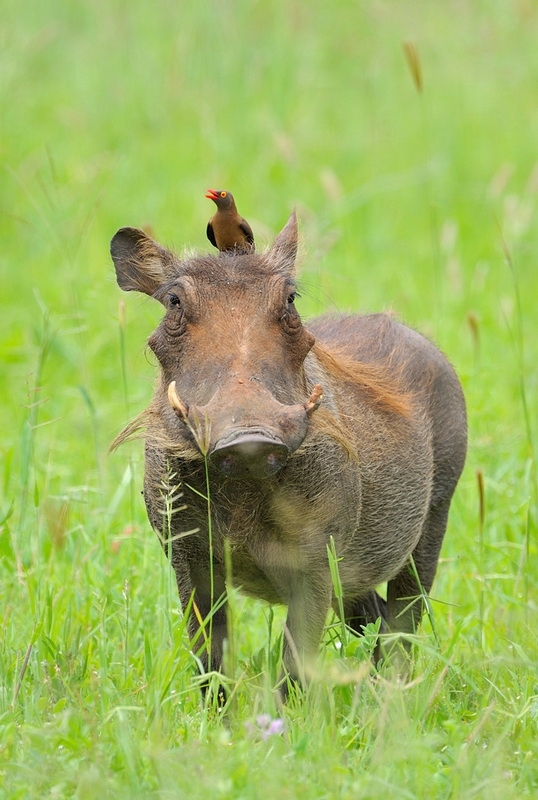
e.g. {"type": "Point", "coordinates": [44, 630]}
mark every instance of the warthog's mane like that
{"type": "Point", "coordinates": [380, 382]}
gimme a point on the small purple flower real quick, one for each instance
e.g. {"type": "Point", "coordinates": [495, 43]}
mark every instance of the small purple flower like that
{"type": "Point", "coordinates": [266, 726]}
{"type": "Point", "coordinates": [275, 728]}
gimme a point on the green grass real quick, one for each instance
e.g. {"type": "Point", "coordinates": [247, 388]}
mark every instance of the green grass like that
{"type": "Point", "coordinates": [424, 202]}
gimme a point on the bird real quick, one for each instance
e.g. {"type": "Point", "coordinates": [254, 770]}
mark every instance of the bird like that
{"type": "Point", "coordinates": [227, 230]}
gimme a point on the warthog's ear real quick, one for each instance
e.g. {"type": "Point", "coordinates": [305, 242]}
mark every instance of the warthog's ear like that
{"type": "Point", "coordinates": [141, 264]}
{"type": "Point", "coordinates": [284, 249]}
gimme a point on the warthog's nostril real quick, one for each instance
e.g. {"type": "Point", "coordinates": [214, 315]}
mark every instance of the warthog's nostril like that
{"type": "Point", "coordinates": [250, 456]}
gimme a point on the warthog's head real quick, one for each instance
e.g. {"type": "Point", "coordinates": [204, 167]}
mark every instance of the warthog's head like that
{"type": "Point", "coordinates": [231, 347]}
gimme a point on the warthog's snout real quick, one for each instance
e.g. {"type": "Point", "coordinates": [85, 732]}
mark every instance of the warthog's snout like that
{"type": "Point", "coordinates": [251, 449]}
{"type": "Point", "coordinates": [250, 455]}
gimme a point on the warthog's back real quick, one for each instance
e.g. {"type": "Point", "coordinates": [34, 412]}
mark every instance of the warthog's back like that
{"type": "Point", "coordinates": [420, 370]}
{"type": "Point", "coordinates": [407, 460]}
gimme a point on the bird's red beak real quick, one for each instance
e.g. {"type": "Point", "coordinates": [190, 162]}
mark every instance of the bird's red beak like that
{"type": "Point", "coordinates": [211, 194]}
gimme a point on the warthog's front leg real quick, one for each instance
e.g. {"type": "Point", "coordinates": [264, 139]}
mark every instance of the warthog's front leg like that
{"type": "Point", "coordinates": [308, 605]}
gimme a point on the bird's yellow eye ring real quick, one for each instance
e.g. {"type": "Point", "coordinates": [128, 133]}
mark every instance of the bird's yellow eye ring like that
{"type": "Point", "coordinates": [223, 194]}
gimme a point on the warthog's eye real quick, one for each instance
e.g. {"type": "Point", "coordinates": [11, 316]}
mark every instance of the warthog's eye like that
{"type": "Point", "coordinates": [289, 316]}
{"type": "Point", "coordinates": [174, 299]}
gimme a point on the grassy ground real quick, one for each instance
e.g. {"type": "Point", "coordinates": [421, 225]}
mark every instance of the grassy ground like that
{"type": "Point", "coordinates": [416, 193]}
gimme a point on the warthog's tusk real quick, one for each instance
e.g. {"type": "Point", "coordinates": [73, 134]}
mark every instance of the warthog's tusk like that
{"type": "Point", "coordinates": [176, 403]}
{"type": "Point", "coordinates": [314, 400]}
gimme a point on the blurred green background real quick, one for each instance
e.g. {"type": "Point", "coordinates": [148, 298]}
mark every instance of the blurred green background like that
{"type": "Point", "coordinates": [415, 192]}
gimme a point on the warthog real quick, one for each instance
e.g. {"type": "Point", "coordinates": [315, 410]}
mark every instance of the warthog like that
{"type": "Point", "coordinates": [352, 428]}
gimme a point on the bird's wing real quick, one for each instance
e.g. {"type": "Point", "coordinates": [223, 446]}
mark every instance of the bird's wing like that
{"type": "Point", "coordinates": [247, 230]}
{"type": "Point", "coordinates": [210, 234]}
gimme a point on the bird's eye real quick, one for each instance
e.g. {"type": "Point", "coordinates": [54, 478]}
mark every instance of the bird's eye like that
{"type": "Point", "coordinates": [223, 194]}
{"type": "Point", "coordinates": [174, 299]}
